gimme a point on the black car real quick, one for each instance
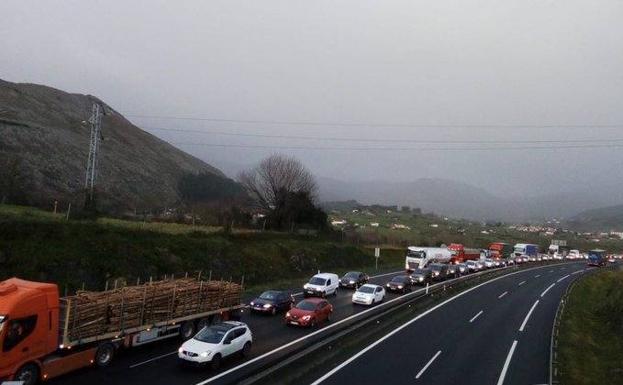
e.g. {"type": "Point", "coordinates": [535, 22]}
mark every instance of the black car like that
{"type": "Point", "coordinates": [440, 271]}
{"type": "Point", "coordinates": [453, 270]}
{"type": "Point", "coordinates": [400, 283]}
{"type": "Point", "coordinates": [421, 276]}
{"type": "Point", "coordinates": [272, 301]}
{"type": "Point", "coordinates": [353, 279]}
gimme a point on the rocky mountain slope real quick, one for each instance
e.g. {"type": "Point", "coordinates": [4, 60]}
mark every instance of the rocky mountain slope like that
{"type": "Point", "coordinates": [44, 135]}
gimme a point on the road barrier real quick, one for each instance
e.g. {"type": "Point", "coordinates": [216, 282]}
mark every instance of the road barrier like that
{"type": "Point", "coordinates": [250, 371]}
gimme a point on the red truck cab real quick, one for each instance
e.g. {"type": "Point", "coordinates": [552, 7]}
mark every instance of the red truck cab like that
{"type": "Point", "coordinates": [461, 254]}
{"type": "Point", "coordinates": [28, 328]}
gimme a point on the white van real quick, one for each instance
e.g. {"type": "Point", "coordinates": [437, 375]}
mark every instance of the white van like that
{"type": "Point", "coordinates": [321, 285]}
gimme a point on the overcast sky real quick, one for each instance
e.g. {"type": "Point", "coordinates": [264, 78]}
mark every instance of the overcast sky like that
{"type": "Point", "coordinates": [416, 65]}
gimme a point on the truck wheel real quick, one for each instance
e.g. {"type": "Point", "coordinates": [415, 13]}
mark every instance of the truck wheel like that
{"type": "Point", "coordinates": [104, 355]}
{"type": "Point", "coordinates": [203, 323]}
{"type": "Point", "coordinates": [28, 374]}
{"type": "Point", "coordinates": [187, 330]}
{"type": "Point", "coordinates": [246, 349]}
{"type": "Point", "coordinates": [216, 362]}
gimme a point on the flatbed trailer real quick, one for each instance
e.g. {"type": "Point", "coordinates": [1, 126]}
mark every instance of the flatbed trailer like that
{"type": "Point", "coordinates": [44, 336]}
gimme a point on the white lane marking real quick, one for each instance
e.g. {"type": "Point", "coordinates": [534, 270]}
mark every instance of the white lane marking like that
{"type": "Point", "coordinates": [563, 278]}
{"type": "Point", "coordinates": [525, 321]}
{"type": "Point", "coordinates": [546, 290]}
{"type": "Point", "coordinates": [551, 271]}
{"type": "Point", "coordinates": [502, 295]}
{"type": "Point", "coordinates": [577, 272]}
{"type": "Point", "coordinates": [537, 276]}
{"type": "Point", "coordinates": [398, 329]}
{"type": "Point", "coordinates": [427, 365]}
{"type": "Point", "coordinates": [374, 276]}
{"type": "Point", "coordinates": [521, 283]}
{"type": "Point", "coordinates": [152, 359]}
{"type": "Point", "coordinates": [216, 377]}
{"type": "Point", "coordinates": [476, 316]}
{"type": "Point", "coordinates": [507, 363]}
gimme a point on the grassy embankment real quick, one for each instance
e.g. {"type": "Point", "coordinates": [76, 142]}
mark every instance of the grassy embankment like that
{"type": "Point", "coordinates": [39, 245]}
{"type": "Point", "coordinates": [591, 331]}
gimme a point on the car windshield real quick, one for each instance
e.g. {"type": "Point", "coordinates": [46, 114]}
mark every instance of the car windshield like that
{"type": "Point", "coordinates": [306, 305]}
{"type": "Point", "coordinates": [420, 271]}
{"type": "Point", "coordinates": [269, 295]}
{"type": "Point", "coordinates": [211, 335]}
{"type": "Point", "coordinates": [471, 263]}
{"type": "Point", "coordinates": [399, 279]}
{"type": "Point", "coordinates": [317, 281]}
{"type": "Point", "coordinates": [436, 267]}
{"type": "Point", "coordinates": [366, 289]}
{"type": "Point", "coordinates": [351, 275]}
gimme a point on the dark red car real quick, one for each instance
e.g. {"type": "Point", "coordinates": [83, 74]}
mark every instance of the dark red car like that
{"type": "Point", "coordinates": [309, 312]}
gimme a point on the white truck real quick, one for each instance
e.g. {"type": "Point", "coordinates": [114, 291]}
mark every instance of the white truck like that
{"type": "Point", "coordinates": [420, 257]}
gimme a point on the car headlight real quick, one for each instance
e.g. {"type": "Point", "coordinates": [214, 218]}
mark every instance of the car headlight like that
{"type": "Point", "coordinates": [204, 354]}
{"type": "Point", "coordinates": [387, 285]}
{"type": "Point", "coordinates": [352, 282]}
{"type": "Point", "coordinates": [267, 306]}
{"type": "Point", "coordinates": [180, 350]}
{"type": "Point", "coordinates": [252, 303]}
{"type": "Point", "coordinates": [420, 279]}
{"type": "Point", "coordinates": [306, 318]}
{"type": "Point", "coordinates": [400, 286]}
{"type": "Point", "coordinates": [288, 314]}
{"type": "Point", "coordinates": [305, 286]}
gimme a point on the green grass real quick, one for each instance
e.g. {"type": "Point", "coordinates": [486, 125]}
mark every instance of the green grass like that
{"type": "Point", "coordinates": [41, 246]}
{"type": "Point", "coordinates": [591, 332]}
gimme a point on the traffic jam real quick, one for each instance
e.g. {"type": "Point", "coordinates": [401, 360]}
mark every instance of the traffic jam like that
{"type": "Point", "coordinates": [423, 266]}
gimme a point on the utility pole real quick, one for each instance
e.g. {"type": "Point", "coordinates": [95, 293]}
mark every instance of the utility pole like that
{"type": "Point", "coordinates": [91, 174]}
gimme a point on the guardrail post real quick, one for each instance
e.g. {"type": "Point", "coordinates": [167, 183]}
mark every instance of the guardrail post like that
{"type": "Point", "coordinates": [426, 288]}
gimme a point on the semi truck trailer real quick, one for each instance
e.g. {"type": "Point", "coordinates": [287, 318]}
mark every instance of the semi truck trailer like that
{"type": "Point", "coordinates": [462, 254]}
{"type": "Point", "coordinates": [43, 335]}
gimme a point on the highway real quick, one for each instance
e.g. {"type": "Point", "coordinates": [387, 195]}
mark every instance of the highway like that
{"type": "Point", "coordinates": [495, 333]}
{"type": "Point", "coordinates": [157, 363]}
{"type": "Point", "coordinates": [466, 340]}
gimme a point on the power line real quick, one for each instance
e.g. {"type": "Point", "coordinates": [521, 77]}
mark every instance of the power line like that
{"type": "Point", "coordinates": [379, 125]}
{"type": "Point", "coordinates": [588, 146]}
{"type": "Point", "coordinates": [377, 140]}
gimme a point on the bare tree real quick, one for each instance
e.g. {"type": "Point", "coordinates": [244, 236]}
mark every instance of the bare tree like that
{"type": "Point", "coordinates": [275, 175]}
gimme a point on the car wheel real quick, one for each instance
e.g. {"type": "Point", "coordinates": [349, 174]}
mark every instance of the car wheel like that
{"type": "Point", "coordinates": [104, 355]}
{"type": "Point", "coordinates": [246, 349]}
{"type": "Point", "coordinates": [216, 361]}
{"type": "Point", "coordinates": [28, 374]}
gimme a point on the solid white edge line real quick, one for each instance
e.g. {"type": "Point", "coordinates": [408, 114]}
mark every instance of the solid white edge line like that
{"type": "Point", "coordinates": [577, 272]}
{"type": "Point", "coordinates": [546, 290]}
{"type": "Point", "coordinates": [476, 316]}
{"type": "Point", "coordinates": [427, 365]}
{"type": "Point", "coordinates": [502, 295]}
{"type": "Point", "coordinates": [507, 363]}
{"type": "Point", "coordinates": [525, 321]}
{"type": "Point", "coordinates": [152, 359]}
{"type": "Point", "coordinates": [521, 283]}
{"type": "Point", "coordinates": [563, 278]}
{"type": "Point", "coordinates": [222, 374]}
{"type": "Point", "coordinates": [537, 276]}
{"type": "Point", "coordinates": [377, 342]}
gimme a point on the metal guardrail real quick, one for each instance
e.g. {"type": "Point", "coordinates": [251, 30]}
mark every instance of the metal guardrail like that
{"type": "Point", "coordinates": [252, 368]}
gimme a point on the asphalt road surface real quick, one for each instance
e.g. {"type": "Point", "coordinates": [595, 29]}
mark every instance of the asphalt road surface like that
{"type": "Point", "coordinates": [157, 363]}
{"type": "Point", "coordinates": [498, 332]}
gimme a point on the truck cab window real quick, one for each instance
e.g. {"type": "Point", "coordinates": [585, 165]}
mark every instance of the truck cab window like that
{"type": "Point", "coordinates": [17, 331]}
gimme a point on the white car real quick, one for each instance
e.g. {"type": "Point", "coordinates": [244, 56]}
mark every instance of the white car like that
{"type": "Point", "coordinates": [488, 263]}
{"type": "Point", "coordinates": [369, 294]}
{"type": "Point", "coordinates": [321, 285]}
{"type": "Point", "coordinates": [216, 342]}
{"type": "Point", "coordinates": [472, 266]}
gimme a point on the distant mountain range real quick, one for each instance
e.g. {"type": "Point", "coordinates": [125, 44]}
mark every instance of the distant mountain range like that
{"type": "Point", "coordinates": [461, 200]}
{"type": "Point", "coordinates": [44, 144]}
{"type": "Point", "coordinates": [604, 219]}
